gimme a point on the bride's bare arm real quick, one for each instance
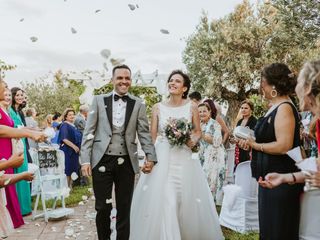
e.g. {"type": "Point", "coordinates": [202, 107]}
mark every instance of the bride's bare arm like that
{"type": "Point", "coordinates": [154, 122]}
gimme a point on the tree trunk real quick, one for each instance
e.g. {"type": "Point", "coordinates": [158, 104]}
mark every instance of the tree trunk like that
{"type": "Point", "coordinates": [232, 113]}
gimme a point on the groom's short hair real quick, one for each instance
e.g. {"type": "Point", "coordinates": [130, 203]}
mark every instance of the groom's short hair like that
{"type": "Point", "coordinates": [120, 67]}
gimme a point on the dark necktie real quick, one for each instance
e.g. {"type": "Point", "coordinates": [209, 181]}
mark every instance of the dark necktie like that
{"type": "Point", "coordinates": [124, 98]}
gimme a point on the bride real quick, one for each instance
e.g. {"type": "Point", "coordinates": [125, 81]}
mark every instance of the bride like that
{"type": "Point", "coordinates": [174, 202]}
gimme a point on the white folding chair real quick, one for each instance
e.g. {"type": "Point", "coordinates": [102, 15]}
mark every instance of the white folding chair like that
{"type": "Point", "coordinates": [239, 210]}
{"type": "Point", "coordinates": [50, 184]}
{"type": "Point", "coordinates": [230, 165]}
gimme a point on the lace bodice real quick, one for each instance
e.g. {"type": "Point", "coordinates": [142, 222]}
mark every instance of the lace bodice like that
{"type": "Point", "coordinates": [166, 112]}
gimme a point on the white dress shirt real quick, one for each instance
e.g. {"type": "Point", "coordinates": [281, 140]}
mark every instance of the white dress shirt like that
{"type": "Point", "coordinates": [118, 111]}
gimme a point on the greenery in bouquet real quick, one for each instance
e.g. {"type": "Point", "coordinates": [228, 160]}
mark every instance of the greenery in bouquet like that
{"type": "Point", "coordinates": [178, 132]}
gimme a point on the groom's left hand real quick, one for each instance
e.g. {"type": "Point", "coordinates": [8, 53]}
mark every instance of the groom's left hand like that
{"type": "Point", "coordinates": [147, 167]}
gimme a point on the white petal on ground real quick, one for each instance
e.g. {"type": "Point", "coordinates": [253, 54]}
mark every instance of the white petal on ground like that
{"type": "Point", "coordinates": [74, 176]}
{"type": "Point", "coordinates": [132, 7]}
{"type": "Point", "coordinates": [84, 198]}
{"type": "Point", "coordinates": [69, 232]}
{"type": "Point", "coordinates": [164, 31]}
{"type": "Point", "coordinates": [33, 39]}
{"type": "Point", "coordinates": [74, 31]}
{"type": "Point", "coordinates": [102, 169]}
{"type": "Point", "coordinates": [81, 203]}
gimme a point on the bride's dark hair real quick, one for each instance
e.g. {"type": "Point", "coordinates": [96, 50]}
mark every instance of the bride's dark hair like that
{"type": "Point", "coordinates": [186, 81]}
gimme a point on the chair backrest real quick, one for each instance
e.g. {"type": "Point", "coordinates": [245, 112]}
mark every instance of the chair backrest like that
{"type": "Point", "coordinates": [244, 179]}
{"type": "Point", "coordinates": [230, 162]}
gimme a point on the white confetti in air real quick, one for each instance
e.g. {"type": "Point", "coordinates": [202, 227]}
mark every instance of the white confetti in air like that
{"type": "Point", "coordinates": [145, 187]}
{"type": "Point", "coordinates": [22, 19]}
{"type": "Point", "coordinates": [120, 161]}
{"type": "Point", "coordinates": [98, 10]}
{"type": "Point", "coordinates": [84, 198]}
{"type": "Point", "coordinates": [117, 61]}
{"type": "Point", "coordinates": [90, 136]}
{"type": "Point", "coordinates": [132, 7]}
{"type": "Point", "coordinates": [74, 176]}
{"type": "Point", "coordinates": [164, 31]}
{"type": "Point", "coordinates": [109, 201]}
{"type": "Point", "coordinates": [105, 53]}
{"type": "Point", "coordinates": [74, 31]}
{"type": "Point", "coordinates": [198, 200]}
{"type": "Point", "coordinates": [33, 39]}
{"type": "Point", "coordinates": [102, 169]}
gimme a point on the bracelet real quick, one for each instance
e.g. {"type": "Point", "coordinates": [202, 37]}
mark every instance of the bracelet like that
{"type": "Point", "coordinates": [261, 147]}
{"type": "Point", "coordinates": [294, 179]}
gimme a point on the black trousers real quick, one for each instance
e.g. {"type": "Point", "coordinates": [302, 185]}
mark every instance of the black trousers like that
{"type": "Point", "coordinates": [112, 170]}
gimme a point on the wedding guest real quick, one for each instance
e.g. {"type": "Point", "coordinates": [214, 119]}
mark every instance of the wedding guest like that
{"type": "Point", "coordinates": [56, 122]}
{"type": "Point", "coordinates": [80, 123]}
{"type": "Point", "coordinates": [22, 187]}
{"type": "Point", "coordinates": [276, 133]}
{"type": "Point", "coordinates": [249, 121]}
{"type": "Point", "coordinates": [212, 154]}
{"type": "Point", "coordinates": [214, 114]}
{"type": "Point", "coordinates": [12, 202]}
{"type": "Point", "coordinates": [195, 97]}
{"type": "Point", "coordinates": [70, 140]}
{"type": "Point", "coordinates": [31, 123]}
{"type": "Point", "coordinates": [49, 130]}
{"type": "Point", "coordinates": [308, 92]}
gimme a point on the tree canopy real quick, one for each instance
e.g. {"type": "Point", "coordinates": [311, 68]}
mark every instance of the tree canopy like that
{"type": "Point", "coordinates": [224, 57]}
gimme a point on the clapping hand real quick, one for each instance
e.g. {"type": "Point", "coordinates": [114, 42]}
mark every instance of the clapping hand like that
{"type": "Point", "coordinates": [147, 167]}
{"type": "Point", "coordinates": [38, 136]}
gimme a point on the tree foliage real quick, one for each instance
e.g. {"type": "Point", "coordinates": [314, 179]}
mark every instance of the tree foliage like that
{"type": "Point", "coordinates": [5, 67]}
{"type": "Point", "coordinates": [50, 97]}
{"type": "Point", "coordinates": [224, 57]}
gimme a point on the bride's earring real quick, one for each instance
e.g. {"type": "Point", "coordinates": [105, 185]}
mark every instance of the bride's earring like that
{"type": "Point", "coordinates": [274, 92]}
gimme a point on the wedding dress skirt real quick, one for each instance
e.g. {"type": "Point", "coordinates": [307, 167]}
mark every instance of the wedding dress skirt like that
{"type": "Point", "coordinates": [174, 201]}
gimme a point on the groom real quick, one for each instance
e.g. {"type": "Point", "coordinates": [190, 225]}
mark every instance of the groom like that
{"type": "Point", "coordinates": [109, 151]}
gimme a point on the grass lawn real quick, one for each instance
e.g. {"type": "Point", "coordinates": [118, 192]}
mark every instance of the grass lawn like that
{"type": "Point", "coordinates": [77, 193]}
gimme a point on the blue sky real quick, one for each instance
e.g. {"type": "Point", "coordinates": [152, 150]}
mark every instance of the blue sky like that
{"type": "Point", "coordinates": [132, 35]}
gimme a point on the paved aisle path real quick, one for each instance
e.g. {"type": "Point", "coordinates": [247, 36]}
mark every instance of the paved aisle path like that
{"type": "Point", "coordinates": [80, 226]}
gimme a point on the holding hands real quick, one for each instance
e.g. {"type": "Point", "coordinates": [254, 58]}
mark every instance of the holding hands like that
{"type": "Point", "coordinates": [147, 167]}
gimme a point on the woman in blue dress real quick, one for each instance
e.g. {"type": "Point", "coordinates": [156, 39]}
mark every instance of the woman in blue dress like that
{"type": "Point", "coordinates": [70, 141]}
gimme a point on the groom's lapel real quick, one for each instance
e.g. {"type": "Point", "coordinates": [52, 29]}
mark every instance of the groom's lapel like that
{"type": "Point", "coordinates": [129, 109]}
{"type": "Point", "coordinates": [108, 104]}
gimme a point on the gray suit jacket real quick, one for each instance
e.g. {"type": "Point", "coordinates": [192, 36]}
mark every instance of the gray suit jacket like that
{"type": "Point", "coordinates": [98, 131]}
{"type": "Point", "coordinates": [80, 123]}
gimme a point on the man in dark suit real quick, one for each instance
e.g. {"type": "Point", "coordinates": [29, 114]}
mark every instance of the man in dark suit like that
{"type": "Point", "coordinates": [109, 151]}
{"type": "Point", "coordinates": [80, 124]}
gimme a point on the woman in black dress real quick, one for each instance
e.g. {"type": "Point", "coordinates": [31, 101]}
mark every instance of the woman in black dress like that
{"type": "Point", "coordinates": [276, 133]}
{"type": "Point", "coordinates": [247, 120]}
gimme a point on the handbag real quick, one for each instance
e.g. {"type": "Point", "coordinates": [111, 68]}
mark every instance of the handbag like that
{"type": "Point", "coordinates": [243, 133]}
{"type": "Point", "coordinates": [17, 145]}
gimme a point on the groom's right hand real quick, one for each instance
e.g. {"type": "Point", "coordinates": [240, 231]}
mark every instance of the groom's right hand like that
{"type": "Point", "coordinates": [86, 170]}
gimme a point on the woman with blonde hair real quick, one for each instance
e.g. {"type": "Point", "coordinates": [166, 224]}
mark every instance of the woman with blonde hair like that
{"type": "Point", "coordinates": [49, 130]}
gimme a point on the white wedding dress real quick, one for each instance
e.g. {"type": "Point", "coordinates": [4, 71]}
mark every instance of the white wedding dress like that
{"type": "Point", "coordinates": [174, 201]}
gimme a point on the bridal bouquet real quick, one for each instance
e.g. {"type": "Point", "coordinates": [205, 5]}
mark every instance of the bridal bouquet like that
{"type": "Point", "coordinates": [178, 132]}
